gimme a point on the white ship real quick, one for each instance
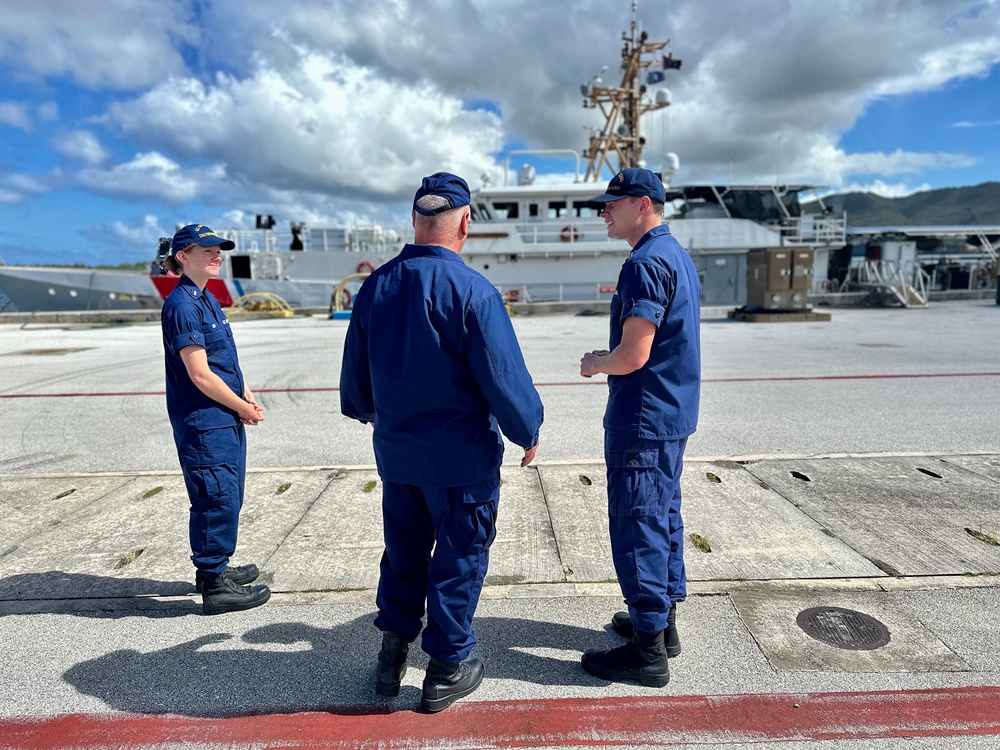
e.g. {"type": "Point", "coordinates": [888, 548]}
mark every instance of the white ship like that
{"type": "Point", "coordinates": [542, 242]}
{"type": "Point", "coordinates": [537, 242]}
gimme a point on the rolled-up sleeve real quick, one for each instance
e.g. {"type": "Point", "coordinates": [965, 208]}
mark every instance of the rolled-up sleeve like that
{"type": "Point", "coordinates": [498, 367]}
{"type": "Point", "coordinates": [183, 328]}
{"type": "Point", "coordinates": [645, 292]}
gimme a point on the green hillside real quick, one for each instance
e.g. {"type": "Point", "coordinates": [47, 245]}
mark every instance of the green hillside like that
{"type": "Point", "coordinates": [979, 204]}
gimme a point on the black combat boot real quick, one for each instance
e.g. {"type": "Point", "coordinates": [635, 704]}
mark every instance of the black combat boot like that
{"type": "Point", "coordinates": [446, 682]}
{"type": "Point", "coordinates": [644, 659]}
{"type": "Point", "coordinates": [222, 594]}
{"type": "Point", "coordinates": [621, 623]}
{"type": "Point", "coordinates": [391, 665]}
{"type": "Point", "coordinates": [241, 574]}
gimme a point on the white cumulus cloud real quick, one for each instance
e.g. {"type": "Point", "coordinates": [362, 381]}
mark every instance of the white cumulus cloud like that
{"type": "Point", "coordinates": [80, 144]}
{"type": "Point", "coordinates": [152, 175]}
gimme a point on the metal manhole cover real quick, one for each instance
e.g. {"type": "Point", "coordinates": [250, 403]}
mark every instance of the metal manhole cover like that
{"type": "Point", "coordinates": [843, 628]}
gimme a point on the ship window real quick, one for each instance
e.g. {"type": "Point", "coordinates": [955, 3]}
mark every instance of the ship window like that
{"type": "Point", "coordinates": [533, 210]}
{"type": "Point", "coordinates": [240, 265]}
{"type": "Point", "coordinates": [557, 209]}
{"type": "Point", "coordinates": [485, 212]}
{"type": "Point", "coordinates": [506, 210]}
{"type": "Point", "coordinates": [583, 210]}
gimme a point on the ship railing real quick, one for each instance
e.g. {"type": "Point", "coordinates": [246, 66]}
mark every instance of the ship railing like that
{"type": "Point", "coordinates": [253, 240]}
{"type": "Point", "coordinates": [558, 292]}
{"type": "Point", "coordinates": [814, 229]}
{"type": "Point", "coordinates": [568, 231]}
{"type": "Point", "coordinates": [359, 239]}
{"type": "Point", "coordinates": [906, 283]}
{"type": "Point", "coordinates": [988, 247]}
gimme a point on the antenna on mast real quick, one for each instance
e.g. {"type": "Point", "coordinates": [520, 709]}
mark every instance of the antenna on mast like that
{"type": "Point", "coordinates": [623, 105]}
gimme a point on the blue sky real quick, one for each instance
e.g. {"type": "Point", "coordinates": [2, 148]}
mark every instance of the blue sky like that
{"type": "Point", "coordinates": [120, 119]}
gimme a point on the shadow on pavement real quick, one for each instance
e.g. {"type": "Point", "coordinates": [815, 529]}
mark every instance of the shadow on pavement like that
{"type": "Point", "coordinates": [290, 667]}
{"type": "Point", "coordinates": [58, 592]}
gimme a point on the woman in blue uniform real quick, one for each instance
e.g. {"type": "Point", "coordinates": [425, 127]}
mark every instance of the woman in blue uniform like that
{"type": "Point", "coordinates": [209, 404]}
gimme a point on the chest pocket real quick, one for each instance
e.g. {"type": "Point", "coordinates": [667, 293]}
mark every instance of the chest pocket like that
{"type": "Point", "coordinates": [216, 341]}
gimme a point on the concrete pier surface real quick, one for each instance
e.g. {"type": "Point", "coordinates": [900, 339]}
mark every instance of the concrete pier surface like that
{"type": "Point", "coordinates": [844, 487]}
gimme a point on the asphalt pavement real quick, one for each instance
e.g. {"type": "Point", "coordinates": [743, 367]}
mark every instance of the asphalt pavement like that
{"type": "Point", "coordinates": [843, 488]}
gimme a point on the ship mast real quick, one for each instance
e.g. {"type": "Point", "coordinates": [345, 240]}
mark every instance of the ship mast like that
{"type": "Point", "coordinates": [623, 105]}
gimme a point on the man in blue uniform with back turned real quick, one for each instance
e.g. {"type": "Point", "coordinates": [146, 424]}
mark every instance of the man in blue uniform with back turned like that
{"type": "Point", "coordinates": [654, 378]}
{"type": "Point", "coordinates": [431, 359]}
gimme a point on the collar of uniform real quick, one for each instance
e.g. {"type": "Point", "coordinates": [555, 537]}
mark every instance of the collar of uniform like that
{"type": "Point", "coordinates": [429, 251]}
{"type": "Point", "coordinates": [190, 287]}
{"type": "Point", "coordinates": [656, 231]}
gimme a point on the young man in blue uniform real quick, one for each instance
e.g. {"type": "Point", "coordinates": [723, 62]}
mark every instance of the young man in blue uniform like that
{"type": "Point", "coordinates": [432, 361]}
{"type": "Point", "coordinates": [654, 378]}
{"type": "Point", "coordinates": [209, 403]}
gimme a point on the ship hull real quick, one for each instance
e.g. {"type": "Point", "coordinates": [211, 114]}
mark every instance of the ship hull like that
{"type": "Point", "coordinates": [33, 289]}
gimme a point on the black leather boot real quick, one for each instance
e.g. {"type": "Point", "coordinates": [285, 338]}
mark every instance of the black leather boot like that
{"type": "Point", "coordinates": [446, 682]}
{"type": "Point", "coordinates": [241, 574]}
{"type": "Point", "coordinates": [391, 665]}
{"type": "Point", "coordinates": [643, 659]}
{"type": "Point", "coordinates": [621, 623]}
{"type": "Point", "coordinates": [221, 594]}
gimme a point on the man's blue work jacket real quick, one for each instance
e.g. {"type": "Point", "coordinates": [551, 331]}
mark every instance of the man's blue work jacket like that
{"type": "Point", "coordinates": [193, 316]}
{"type": "Point", "coordinates": [659, 401]}
{"type": "Point", "coordinates": [431, 358]}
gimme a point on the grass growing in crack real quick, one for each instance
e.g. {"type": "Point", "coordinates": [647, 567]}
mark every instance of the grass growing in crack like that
{"type": "Point", "coordinates": [982, 536]}
{"type": "Point", "coordinates": [128, 558]}
{"type": "Point", "coordinates": [700, 542]}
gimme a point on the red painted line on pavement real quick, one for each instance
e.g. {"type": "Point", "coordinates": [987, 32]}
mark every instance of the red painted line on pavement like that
{"type": "Point", "coordinates": [329, 389]}
{"type": "Point", "coordinates": [685, 720]}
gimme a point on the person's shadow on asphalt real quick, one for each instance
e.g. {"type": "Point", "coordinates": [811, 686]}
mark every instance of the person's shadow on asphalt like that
{"type": "Point", "coordinates": [59, 591]}
{"type": "Point", "coordinates": [291, 667]}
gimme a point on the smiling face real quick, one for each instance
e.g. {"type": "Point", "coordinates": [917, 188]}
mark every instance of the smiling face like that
{"type": "Point", "coordinates": [201, 263]}
{"type": "Point", "coordinates": [621, 217]}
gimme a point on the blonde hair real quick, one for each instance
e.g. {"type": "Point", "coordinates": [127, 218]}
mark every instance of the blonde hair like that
{"type": "Point", "coordinates": [172, 264]}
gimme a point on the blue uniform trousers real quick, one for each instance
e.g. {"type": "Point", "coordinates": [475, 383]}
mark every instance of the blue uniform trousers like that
{"type": "Point", "coordinates": [647, 532]}
{"type": "Point", "coordinates": [214, 463]}
{"type": "Point", "coordinates": [459, 524]}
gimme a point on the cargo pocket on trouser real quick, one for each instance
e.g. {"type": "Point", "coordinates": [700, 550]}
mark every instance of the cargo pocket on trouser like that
{"type": "Point", "coordinates": [458, 568]}
{"type": "Point", "coordinates": [482, 501]}
{"type": "Point", "coordinates": [210, 460]}
{"type": "Point", "coordinates": [635, 483]}
{"type": "Point", "coordinates": [638, 498]}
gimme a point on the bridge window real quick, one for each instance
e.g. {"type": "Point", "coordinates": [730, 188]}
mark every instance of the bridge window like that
{"type": "Point", "coordinates": [557, 209]}
{"type": "Point", "coordinates": [506, 210]}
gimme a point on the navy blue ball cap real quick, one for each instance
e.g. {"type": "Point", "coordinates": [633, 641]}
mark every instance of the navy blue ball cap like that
{"type": "Point", "coordinates": [198, 234]}
{"type": "Point", "coordinates": [445, 185]}
{"type": "Point", "coordinates": [635, 182]}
